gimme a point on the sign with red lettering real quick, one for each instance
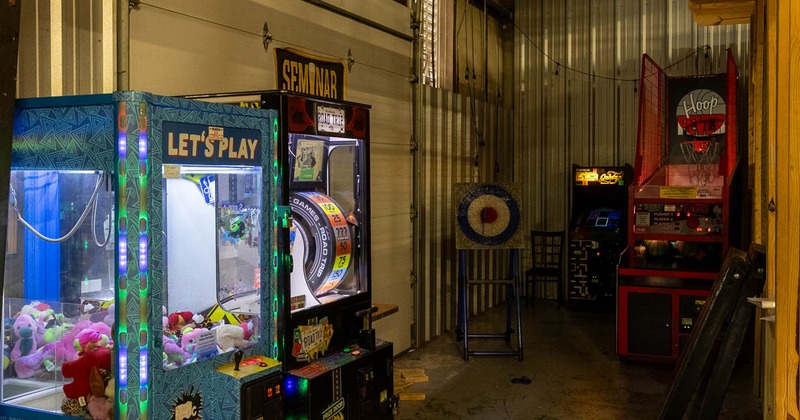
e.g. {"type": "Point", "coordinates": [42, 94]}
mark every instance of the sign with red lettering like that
{"type": "Point", "coordinates": [697, 114]}
{"type": "Point", "coordinates": [307, 74]}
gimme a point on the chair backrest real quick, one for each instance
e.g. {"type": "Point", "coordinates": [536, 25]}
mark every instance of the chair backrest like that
{"type": "Point", "coordinates": [547, 247]}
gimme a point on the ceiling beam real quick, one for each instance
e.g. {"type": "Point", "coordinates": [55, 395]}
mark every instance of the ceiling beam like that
{"type": "Point", "coordinates": [722, 12]}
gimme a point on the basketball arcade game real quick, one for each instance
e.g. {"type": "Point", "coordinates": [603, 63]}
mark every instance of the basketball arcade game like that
{"type": "Point", "coordinates": [679, 208]}
{"type": "Point", "coordinates": [597, 235]}
{"type": "Point", "coordinates": [142, 278]}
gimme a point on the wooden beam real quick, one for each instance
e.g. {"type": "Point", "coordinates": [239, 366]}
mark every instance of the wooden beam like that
{"type": "Point", "coordinates": [9, 51]}
{"type": "Point", "coordinates": [721, 12]}
{"type": "Point", "coordinates": [788, 205]}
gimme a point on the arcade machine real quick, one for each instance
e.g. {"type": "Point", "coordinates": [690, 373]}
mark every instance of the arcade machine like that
{"type": "Point", "coordinates": [679, 208]}
{"type": "Point", "coordinates": [597, 235]}
{"type": "Point", "coordinates": [142, 260]}
{"type": "Point", "coordinates": [334, 366]}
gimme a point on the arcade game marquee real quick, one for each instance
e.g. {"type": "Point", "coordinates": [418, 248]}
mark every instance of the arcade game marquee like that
{"type": "Point", "coordinates": [142, 260]}
{"type": "Point", "coordinates": [334, 366]}
{"type": "Point", "coordinates": [597, 235]}
{"type": "Point", "coordinates": [681, 213]}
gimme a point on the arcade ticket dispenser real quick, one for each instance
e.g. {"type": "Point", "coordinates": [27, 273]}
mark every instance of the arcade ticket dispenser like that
{"type": "Point", "coordinates": [597, 235]}
{"type": "Point", "coordinates": [334, 366]}
{"type": "Point", "coordinates": [679, 208]}
{"type": "Point", "coordinates": [141, 260]}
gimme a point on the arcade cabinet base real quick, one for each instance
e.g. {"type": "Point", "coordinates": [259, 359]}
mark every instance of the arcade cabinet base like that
{"type": "Point", "coordinates": [354, 382]}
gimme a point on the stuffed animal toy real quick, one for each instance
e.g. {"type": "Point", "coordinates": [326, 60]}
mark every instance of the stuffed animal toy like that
{"type": "Point", "coordinates": [65, 347]}
{"type": "Point", "coordinates": [25, 329]}
{"type": "Point", "coordinates": [230, 337]}
{"type": "Point", "coordinates": [179, 320]}
{"type": "Point", "coordinates": [72, 407]}
{"type": "Point", "coordinates": [189, 340]}
{"type": "Point", "coordinates": [100, 408]}
{"type": "Point", "coordinates": [29, 365]}
{"type": "Point", "coordinates": [81, 371]}
{"type": "Point", "coordinates": [174, 354]}
{"type": "Point", "coordinates": [42, 313]}
{"type": "Point", "coordinates": [248, 329]}
{"type": "Point", "coordinates": [89, 339]}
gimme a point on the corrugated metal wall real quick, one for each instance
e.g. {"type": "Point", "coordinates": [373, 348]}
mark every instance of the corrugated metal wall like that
{"type": "Point", "coordinates": [566, 115]}
{"type": "Point", "coordinates": [66, 47]}
{"type": "Point", "coordinates": [576, 65]}
{"type": "Point", "coordinates": [463, 140]}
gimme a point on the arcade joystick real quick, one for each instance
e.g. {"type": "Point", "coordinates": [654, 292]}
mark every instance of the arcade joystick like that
{"type": "Point", "coordinates": [366, 336]}
{"type": "Point", "coordinates": [237, 359]}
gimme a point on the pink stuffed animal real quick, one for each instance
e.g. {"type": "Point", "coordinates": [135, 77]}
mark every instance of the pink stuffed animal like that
{"type": "Point", "coordinates": [25, 329]}
{"type": "Point", "coordinates": [29, 365]}
{"type": "Point", "coordinates": [65, 347]}
{"type": "Point", "coordinates": [189, 340]}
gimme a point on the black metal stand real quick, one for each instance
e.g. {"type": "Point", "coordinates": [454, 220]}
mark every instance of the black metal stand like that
{"type": "Point", "coordinates": [725, 315]}
{"type": "Point", "coordinates": [512, 302]}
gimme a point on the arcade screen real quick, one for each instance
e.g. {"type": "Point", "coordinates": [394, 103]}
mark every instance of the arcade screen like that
{"type": "Point", "coordinates": [603, 218]}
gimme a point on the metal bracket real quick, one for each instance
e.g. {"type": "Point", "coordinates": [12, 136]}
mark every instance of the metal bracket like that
{"type": "Point", "coordinates": [350, 60]}
{"type": "Point", "coordinates": [266, 36]}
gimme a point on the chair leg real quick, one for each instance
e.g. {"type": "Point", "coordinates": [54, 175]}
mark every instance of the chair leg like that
{"type": "Point", "coordinates": [560, 291]}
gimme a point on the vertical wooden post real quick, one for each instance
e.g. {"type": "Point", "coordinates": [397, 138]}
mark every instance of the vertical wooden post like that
{"type": "Point", "coordinates": [9, 47]}
{"type": "Point", "coordinates": [787, 243]}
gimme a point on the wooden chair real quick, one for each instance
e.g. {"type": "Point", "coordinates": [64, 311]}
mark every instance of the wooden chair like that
{"type": "Point", "coordinates": [547, 248]}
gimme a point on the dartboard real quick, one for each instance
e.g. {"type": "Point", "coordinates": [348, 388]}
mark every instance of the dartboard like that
{"type": "Point", "coordinates": [488, 216]}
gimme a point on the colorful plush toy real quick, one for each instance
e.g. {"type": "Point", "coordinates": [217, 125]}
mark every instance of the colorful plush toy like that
{"type": "Point", "coordinates": [179, 320]}
{"type": "Point", "coordinates": [29, 365]}
{"type": "Point", "coordinates": [189, 340]}
{"type": "Point", "coordinates": [174, 355]}
{"type": "Point", "coordinates": [81, 371]}
{"type": "Point", "coordinates": [25, 329]}
{"type": "Point", "coordinates": [90, 339]}
{"type": "Point", "coordinates": [230, 337]}
{"type": "Point", "coordinates": [65, 347]}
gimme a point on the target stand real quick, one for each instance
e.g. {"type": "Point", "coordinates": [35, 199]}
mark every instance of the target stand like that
{"type": "Point", "coordinates": [488, 218]}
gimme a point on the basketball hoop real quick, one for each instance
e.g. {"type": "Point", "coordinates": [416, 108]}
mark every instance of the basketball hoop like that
{"type": "Point", "coordinates": [702, 155]}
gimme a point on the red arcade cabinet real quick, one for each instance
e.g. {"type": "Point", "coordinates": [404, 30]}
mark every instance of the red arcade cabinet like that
{"type": "Point", "coordinates": [679, 208]}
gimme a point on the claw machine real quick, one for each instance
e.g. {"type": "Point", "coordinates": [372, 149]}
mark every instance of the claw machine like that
{"type": "Point", "coordinates": [142, 260]}
{"type": "Point", "coordinates": [334, 365]}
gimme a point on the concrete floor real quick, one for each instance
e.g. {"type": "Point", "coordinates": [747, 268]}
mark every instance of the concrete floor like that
{"type": "Point", "coordinates": [571, 361]}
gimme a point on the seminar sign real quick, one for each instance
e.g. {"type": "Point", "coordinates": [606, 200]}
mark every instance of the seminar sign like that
{"type": "Point", "coordinates": [300, 72]}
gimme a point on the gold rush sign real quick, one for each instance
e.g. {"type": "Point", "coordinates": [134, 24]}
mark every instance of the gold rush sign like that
{"type": "Point", "coordinates": [310, 75]}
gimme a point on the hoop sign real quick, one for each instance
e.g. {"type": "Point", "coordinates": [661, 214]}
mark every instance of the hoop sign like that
{"type": "Point", "coordinates": [488, 216]}
{"type": "Point", "coordinates": [697, 119]}
{"type": "Point", "coordinates": [701, 113]}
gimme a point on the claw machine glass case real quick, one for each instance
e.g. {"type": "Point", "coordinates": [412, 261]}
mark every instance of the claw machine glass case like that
{"type": "Point", "coordinates": [333, 363]}
{"type": "Point", "coordinates": [141, 263]}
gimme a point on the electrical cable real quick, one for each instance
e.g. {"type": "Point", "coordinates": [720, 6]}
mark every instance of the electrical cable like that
{"type": "Point", "coordinates": [74, 229]}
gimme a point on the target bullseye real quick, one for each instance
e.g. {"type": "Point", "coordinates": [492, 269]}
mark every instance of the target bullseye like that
{"type": "Point", "coordinates": [488, 216]}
